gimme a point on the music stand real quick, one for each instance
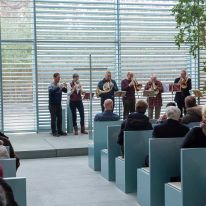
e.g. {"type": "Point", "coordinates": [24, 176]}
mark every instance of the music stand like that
{"type": "Point", "coordinates": [86, 96]}
{"type": "Point", "coordinates": [197, 93]}
{"type": "Point", "coordinates": [149, 93]}
{"type": "Point", "coordinates": [174, 87]}
{"type": "Point", "coordinates": [120, 94]}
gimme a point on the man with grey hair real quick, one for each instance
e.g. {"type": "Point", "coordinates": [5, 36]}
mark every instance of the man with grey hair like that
{"type": "Point", "coordinates": [171, 127]}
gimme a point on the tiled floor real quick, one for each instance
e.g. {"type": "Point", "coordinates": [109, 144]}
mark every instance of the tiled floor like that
{"type": "Point", "coordinates": [69, 182]}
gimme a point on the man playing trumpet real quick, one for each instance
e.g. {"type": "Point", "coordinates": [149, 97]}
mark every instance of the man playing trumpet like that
{"type": "Point", "coordinates": [154, 102]}
{"type": "Point", "coordinates": [75, 102]}
{"type": "Point", "coordinates": [106, 88]}
{"type": "Point", "coordinates": [129, 85]}
{"type": "Point", "coordinates": [186, 86]}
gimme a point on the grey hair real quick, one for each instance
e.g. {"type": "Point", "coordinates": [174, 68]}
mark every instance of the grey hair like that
{"type": "Point", "coordinates": [173, 113]}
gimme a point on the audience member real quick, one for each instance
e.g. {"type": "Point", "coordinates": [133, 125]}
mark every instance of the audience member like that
{"type": "Point", "coordinates": [135, 121]}
{"type": "Point", "coordinates": [197, 135]}
{"type": "Point", "coordinates": [193, 111]}
{"type": "Point", "coordinates": [6, 194]}
{"type": "Point", "coordinates": [3, 151]}
{"type": "Point", "coordinates": [12, 154]}
{"type": "Point", "coordinates": [171, 127]}
{"type": "Point", "coordinates": [108, 114]}
{"type": "Point", "coordinates": [164, 116]}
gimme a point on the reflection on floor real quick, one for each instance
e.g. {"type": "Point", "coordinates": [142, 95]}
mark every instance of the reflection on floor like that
{"type": "Point", "coordinates": [69, 182]}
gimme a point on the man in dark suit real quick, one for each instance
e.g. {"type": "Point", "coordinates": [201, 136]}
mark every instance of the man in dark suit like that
{"type": "Point", "coordinates": [134, 122]}
{"type": "Point", "coordinates": [171, 127]}
{"type": "Point", "coordinates": [186, 86]}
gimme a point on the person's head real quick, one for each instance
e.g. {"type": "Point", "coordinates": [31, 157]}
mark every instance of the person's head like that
{"type": "Point", "coordinates": [75, 77]}
{"type": "Point", "coordinates": [108, 105]}
{"type": "Point", "coordinates": [171, 104]}
{"type": "Point", "coordinates": [130, 75]}
{"type": "Point", "coordinates": [183, 74]}
{"type": "Point", "coordinates": [141, 106]}
{"type": "Point", "coordinates": [173, 113]}
{"type": "Point", "coordinates": [1, 142]}
{"type": "Point", "coordinates": [190, 101]}
{"type": "Point", "coordinates": [56, 77]}
{"type": "Point", "coordinates": [108, 75]}
{"type": "Point", "coordinates": [153, 77]}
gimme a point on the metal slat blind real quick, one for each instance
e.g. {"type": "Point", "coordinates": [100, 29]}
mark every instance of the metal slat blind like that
{"type": "Point", "coordinates": [18, 65]}
{"type": "Point", "coordinates": [67, 32]}
{"type": "Point", "coordinates": [147, 42]}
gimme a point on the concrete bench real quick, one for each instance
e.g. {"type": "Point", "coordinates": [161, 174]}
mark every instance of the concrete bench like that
{"type": "Point", "coordinates": [98, 143]}
{"type": "Point", "coordinates": [18, 186]}
{"type": "Point", "coordinates": [136, 146]}
{"type": "Point", "coordinates": [9, 167]}
{"type": "Point", "coordinates": [164, 163]}
{"type": "Point", "coordinates": [191, 190]}
{"type": "Point", "coordinates": [108, 155]}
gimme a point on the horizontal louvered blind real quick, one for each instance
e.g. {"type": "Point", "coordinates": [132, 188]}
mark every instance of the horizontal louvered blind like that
{"type": "Point", "coordinates": [67, 32]}
{"type": "Point", "coordinates": [147, 42]}
{"type": "Point", "coordinates": [18, 65]}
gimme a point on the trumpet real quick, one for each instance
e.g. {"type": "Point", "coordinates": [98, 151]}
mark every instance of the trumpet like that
{"type": "Point", "coordinates": [183, 82]}
{"type": "Point", "coordinates": [155, 88]}
{"type": "Point", "coordinates": [137, 86]}
{"type": "Point", "coordinates": [107, 87]}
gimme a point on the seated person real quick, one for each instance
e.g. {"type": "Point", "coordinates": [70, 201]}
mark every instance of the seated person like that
{"type": "Point", "coordinates": [196, 137]}
{"type": "Point", "coordinates": [135, 121]}
{"type": "Point", "coordinates": [194, 111]}
{"type": "Point", "coordinates": [3, 151]}
{"type": "Point", "coordinates": [12, 154]}
{"type": "Point", "coordinates": [164, 116]}
{"type": "Point", "coordinates": [108, 114]}
{"type": "Point", "coordinates": [171, 127]}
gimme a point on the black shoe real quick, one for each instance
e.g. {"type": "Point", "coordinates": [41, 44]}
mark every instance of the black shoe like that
{"type": "Point", "coordinates": [55, 134]}
{"type": "Point", "coordinates": [62, 133]}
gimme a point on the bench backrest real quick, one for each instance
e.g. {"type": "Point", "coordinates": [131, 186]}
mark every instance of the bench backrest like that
{"type": "Point", "coordinates": [193, 176]}
{"type": "Point", "coordinates": [192, 124]}
{"type": "Point", "coordinates": [164, 163]}
{"type": "Point", "coordinates": [9, 167]}
{"type": "Point", "coordinates": [100, 132]}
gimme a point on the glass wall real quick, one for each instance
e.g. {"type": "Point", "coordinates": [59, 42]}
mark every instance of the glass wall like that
{"type": "Point", "coordinates": [41, 37]}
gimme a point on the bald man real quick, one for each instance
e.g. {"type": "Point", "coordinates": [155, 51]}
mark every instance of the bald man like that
{"type": "Point", "coordinates": [129, 99]}
{"type": "Point", "coordinates": [154, 103]}
{"type": "Point", "coordinates": [180, 96]}
{"type": "Point", "coordinates": [108, 114]}
{"type": "Point", "coordinates": [112, 88]}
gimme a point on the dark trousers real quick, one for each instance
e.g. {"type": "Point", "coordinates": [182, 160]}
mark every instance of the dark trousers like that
{"type": "Point", "coordinates": [182, 108]}
{"type": "Point", "coordinates": [102, 103]}
{"type": "Point", "coordinates": [129, 107]}
{"type": "Point", "coordinates": [56, 118]}
{"type": "Point", "coordinates": [77, 105]}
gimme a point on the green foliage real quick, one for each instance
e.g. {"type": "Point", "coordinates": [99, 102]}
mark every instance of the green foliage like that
{"type": "Point", "coordinates": [190, 16]}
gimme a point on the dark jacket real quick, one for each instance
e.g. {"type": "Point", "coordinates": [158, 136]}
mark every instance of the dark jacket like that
{"type": "Point", "coordinates": [170, 128]}
{"type": "Point", "coordinates": [180, 96]}
{"type": "Point", "coordinates": [130, 91]}
{"type": "Point", "coordinates": [55, 94]}
{"type": "Point", "coordinates": [194, 114]}
{"type": "Point", "coordinates": [12, 153]}
{"type": "Point", "coordinates": [106, 116]}
{"type": "Point", "coordinates": [109, 95]}
{"type": "Point", "coordinates": [135, 121]}
{"type": "Point", "coordinates": [195, 138]}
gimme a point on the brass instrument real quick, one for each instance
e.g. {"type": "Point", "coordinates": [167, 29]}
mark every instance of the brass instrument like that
{"type": "Point", "coordinates": [183, 82]}
{"type": "Point", "coordinates": [155, 88]}
{"type": "Point", "coordinates": [107, 87]}
{"type": "Point", "coordinates": [137, 86]}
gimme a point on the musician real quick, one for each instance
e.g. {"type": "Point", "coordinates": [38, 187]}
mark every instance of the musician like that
{"type": "Point", "coordinates": [128, 85]}
{"type": "Point", "coordinates": [154, 102]}
{"type": "Point", "coordinates": [186, 86]}
{"type": "Point", "coordinates": [106, 88]}
{"type": "Point", "coordinates": [75, 102]}
{"type": "Point", "coordinates": [55, 97]}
